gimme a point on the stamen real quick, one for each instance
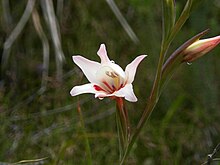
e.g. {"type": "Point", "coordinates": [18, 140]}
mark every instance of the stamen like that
{"type": "Point", "coordinates": [111, 74]}
{"type": "Point", "coordinates": [116, 81]}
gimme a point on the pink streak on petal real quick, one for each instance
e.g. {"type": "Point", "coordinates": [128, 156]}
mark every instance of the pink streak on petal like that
{"type": "Point", "coordinates": [103, 54]}
{"type": "Point", "coordinates": [127, 92]}
{"type": "Point", "coordinates": [131, 68]}
{"type": "Point", "coordinates": [108, 86]}
{"type": "Point", "coordinates": [81, 89]}
{"type": "Point", "coordinates": [88, 67]}
{"type": "Point", "coordinates": [98, 88]}
{"type": "Point", "coordinates": [209, 44]}
{"type": "Point", "coordinates": [200, 47]}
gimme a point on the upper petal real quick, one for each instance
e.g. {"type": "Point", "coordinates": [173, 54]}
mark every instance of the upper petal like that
{"type": "Point", "coordinates": [131, 68]}
{"type": "Point", "coordinates": [127, 92]}
{"type": "Point", "coordinates": [102, 53]}
{"type": "Point", "coordinates": [86, 88]}
{"type": "Point", "coordinates": [88, 67]}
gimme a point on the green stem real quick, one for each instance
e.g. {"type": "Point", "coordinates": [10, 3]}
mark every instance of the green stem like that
{"type": "Point", "coordinates": [123, 126]}
{"type": "Point", "coordinates": [155, 92]}
{"type": "Point", "coordinates": [152, 101]}
{"type": "Point", "coordinates": [120, 136]}
{"type": "Point", "coordinates": [147, 113]}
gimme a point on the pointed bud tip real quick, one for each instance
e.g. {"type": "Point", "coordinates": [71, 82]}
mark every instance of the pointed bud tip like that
{"type": "Point", "coordinates": [200, 48]}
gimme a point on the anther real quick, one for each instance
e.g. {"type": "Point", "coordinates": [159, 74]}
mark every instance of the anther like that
{"type": "Point", "coordinates": [111, 74]}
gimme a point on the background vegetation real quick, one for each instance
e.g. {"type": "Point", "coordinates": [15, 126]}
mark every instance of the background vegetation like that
{"type": "Point", "coordinates": [40, 119]}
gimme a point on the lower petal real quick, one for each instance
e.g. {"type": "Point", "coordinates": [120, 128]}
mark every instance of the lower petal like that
{"type": "Point", "coordinates": [127, 92]}
{"type": "Point", "coordinates": [101, 95]}
{"type": "Point", "coordinates": [86, 88]}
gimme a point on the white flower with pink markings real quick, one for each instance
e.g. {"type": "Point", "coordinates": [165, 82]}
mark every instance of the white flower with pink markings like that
{"type": "Point", "coordinates": [107, 79]}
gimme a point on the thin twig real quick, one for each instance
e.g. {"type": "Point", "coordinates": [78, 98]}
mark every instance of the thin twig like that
{"type": "Point", "coordinates": [212, 155]}
{"type": "Point", "coordinates": [40, 161]}
{"type": "Point", "coordinates": [39, 91]}
{"type": "Point", "coordinates": [49, 112]}
{"type": "Point", "coordinates": [49, 14]}
{"type": "Point", "coordinates": [45, 44]}
{"type": "Point", "coordinates": [7, 14]}
{"type": "Point", "coordinates": [67, 127]}
{"type": "Point", "coordinates": [14, 34]}
{"type": "Point", "coordinates": [59, 9]}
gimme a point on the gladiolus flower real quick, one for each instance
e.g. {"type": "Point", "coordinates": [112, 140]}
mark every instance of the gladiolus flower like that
{"type": "Point", "coordinates": [199, 48]}
{"type": "Point", "coordinates": [107, 79]}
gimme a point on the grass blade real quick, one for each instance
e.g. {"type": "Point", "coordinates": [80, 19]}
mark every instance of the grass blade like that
{"type": "Point", "coordinates": [123, 21]}
{"type": "Point", "coordinates": [87, 145]}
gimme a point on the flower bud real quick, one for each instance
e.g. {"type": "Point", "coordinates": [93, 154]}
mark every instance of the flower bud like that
{"type": "Point", "coordinates": [199, 48]}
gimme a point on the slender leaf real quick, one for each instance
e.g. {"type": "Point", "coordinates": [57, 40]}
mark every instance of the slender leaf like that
{"type": "Point", "coordinates": [169, 16]}
{"type": "Point", "coordinates": [181, 20]}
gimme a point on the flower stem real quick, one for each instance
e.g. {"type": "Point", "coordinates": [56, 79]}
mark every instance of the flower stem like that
{"type": "Point", "coordinates": [156, 89]}
{"type": "Point", "coordinates": [123, 126]}
{"type": "Point", "coordinates": [152, 101]}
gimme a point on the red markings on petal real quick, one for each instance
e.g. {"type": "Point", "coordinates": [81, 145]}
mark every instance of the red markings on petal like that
{"type": "Point", "coordinates": [98, 88]}
{"type": "Point", "coordinates": [108, 86]}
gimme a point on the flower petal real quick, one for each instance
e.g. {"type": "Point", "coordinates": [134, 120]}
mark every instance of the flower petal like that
{"type": "Point", "coordinates": [103, 54]}
{"type": "Point", "coordinates": [88, 67]}
{"type": "Point", "coordinates": [127, 92]}
{"type": "Point", "coordinates": [86, 88]}
{"type": "Point", "coordinates": [101, 95]}
{"type": "Point", "coordinates": [131, 68]}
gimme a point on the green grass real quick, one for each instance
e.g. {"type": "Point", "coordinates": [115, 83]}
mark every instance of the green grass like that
{"type": "Point", "coordinates": [183, 129]}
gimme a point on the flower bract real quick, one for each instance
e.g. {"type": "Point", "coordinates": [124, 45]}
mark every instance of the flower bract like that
{"type": "Point", "coordinates": [200, 48]}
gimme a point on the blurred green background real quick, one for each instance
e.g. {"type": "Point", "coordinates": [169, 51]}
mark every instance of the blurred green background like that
{"type": "Point", "coordinates": [40, 119]}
